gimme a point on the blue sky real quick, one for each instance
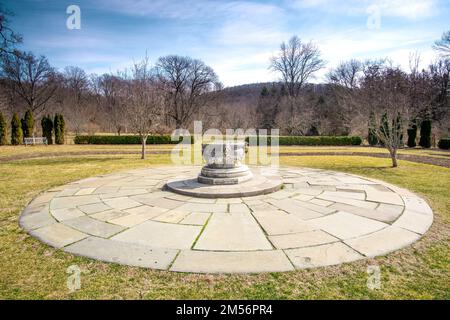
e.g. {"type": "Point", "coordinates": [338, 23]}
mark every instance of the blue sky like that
{"type": "Point", "coordinates": [236, 38]}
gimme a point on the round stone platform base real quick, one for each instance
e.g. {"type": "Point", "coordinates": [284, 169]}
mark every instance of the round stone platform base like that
{"type": "Point", "coordinates": [319, 218]}
{"type": "Point", "coordinates": [259, 184]}
{"type": "Point", "coordinates": [224, 176]}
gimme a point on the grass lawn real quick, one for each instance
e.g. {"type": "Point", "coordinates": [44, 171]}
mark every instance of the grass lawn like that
{"type": "Point", "coordinates": [6, 152]}
{"type": "Point", "coordinates": [32, 270]}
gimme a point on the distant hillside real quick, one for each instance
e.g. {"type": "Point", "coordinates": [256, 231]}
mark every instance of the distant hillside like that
{"type": "Point", "coordinates": [246, 93]}
{"type": "Point", "coordinates": [249, 93]}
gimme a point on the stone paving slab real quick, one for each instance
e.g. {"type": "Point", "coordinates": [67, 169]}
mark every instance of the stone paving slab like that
{"type": "Point", "coordinates": [304, 197]}
{"type": "Point", "coordinates": [138, 215]}
{"type": "Point", "coordinates": [73, 201]}
{"type": "Point", "coordinates": [237, 232]}
{"type": "Point", "coordinates": [84, 191]}
{"type": "Point", "coordinates": [238, 208]}
{"type": "Point", "coordinates": [37, 219]}
{"type": "Point", "coordinates": [203, 207]}
{"type": "Point", "coordinates": [390, 209]}
{"type": "Point", "coordinates": [44, 198]}
{"type": "Point", "coordinates": [122, 203]}
{"type": "Point", "coordinates": [345, 194]}
{"type": "Point", "coordinates": [67, 213]}
{"type": "Point", "coordinates": [384, 197]}
{"type": "Point", "coordinates": [259, 205]}
{"type": "Point", "coordinates": [414, 203]}
{"type": "Point", "coordinates": [160, 235]}
{"type": "Point", "coordinates": [199, 218]}
{"type": "Point", "coordinates": [231, 262]}
{"type": "Point", "coordinates": [279, 222]}
{"type": "Point", "coordinates": [381, 215]}
{"type": "Point", "coordinates": [314, 207]}
{"type": "Point", "coordinates": [302, 239]}
{"type": "Point", "coordinates": [324, 255]}
{"type": "Point", "coordinates": [206, 200]}
{"type": "Point", "coordinates": [94, 227]}
{"type": "Point", "coordinates": [123, 253]}
{"type": "Point", "coordinates": [109, 215]}
{"type": "Point", "coordinates": [309, 191]}
{"type": "Point", "coordinates": [68, 192]}
{"type": "Point", "coordinates": [226, 200]}
{"type": "Point", "coordinates": [172, 216]}
{"type": "Point", "coordinates": [323, 203]}
{"type": "Point", "coordinates": [106, 190]}
{"type": "Point", "coordinates": [58, 235]}
{"type": "Point", "coordinates": [94, 208]}
{"type": "Point", "coordinates": [295, 207]}
{"type": "Point", "coordinates": [165, 203]}
{"type": "Point", "coordinates": [279, 195]}
{"type": "Point", "coordinates": [414, 221]}
{"type": "Point", "coordinates": [353, 202]}
{"type": "Point", "coordinates": [384, 241]}
{"type": "Point", "coordinates": [346, 225]}
{"type": "Point", "coordinates": [319, 218]}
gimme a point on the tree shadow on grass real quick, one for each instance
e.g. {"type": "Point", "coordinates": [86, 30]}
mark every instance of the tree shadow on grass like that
{"type": "Point", "coordinates": [63, 161]}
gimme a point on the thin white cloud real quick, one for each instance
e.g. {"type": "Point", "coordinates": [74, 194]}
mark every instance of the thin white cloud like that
{"type": "Point", "coordinates": [175, 9]}
{"type": "Point", "coordinates": [410, 9]}
{"type": "Point", "coordinates": [366, 44]}
{"type": "Point", "coordinates": [251, 25]}
{"type": "Point", "coordinates": [401, 57]}
{"type": "Point", "coordinates": [69, 41]}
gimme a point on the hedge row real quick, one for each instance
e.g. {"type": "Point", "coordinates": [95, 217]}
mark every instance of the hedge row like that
{"type": "Point", "coordinates": [166, 139]}
{"type": "Point", "coordinates": [154, 139]}
{"type": "Point", "coordinates": [321, 141]}
{"type": "Point", "coordinates": [316, 140]}
{"type": "Point", "coordinates": [444, 143]}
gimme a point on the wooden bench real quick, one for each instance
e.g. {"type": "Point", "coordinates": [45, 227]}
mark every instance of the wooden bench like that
{"type": "Point", "coordinates": [35, 140]}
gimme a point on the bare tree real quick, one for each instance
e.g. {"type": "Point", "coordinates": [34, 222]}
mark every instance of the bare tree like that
{"type": "Point", "coordinates": [109, 91]}
{"type": "Point", "coordinates": [439, 77]}
{"type": "Point", "coordinates": [344, 82]}
{"type": "Point", "coordinates": [76, 89]}
{"type": "Point", "coordinates": [8, 38]}
{"type": "Point", "coordinates": [76, 80]}
{"type": "Point", "coordinates": [346, 74]}
{"type": "Point", "coordinates": [30, 78]}
{"type": "Point", "coordinates": [297, 62]}
{"type": "Point", "coordinates": [443, 45]}
{"type": "Point", "coordinates": [386, 94]}
{"type": "Point", "coordinates": [268, 107]}
{"type": "Point", "coordinates": [429, 90]}
{"type": "Point", "coordinates": [143, 101]}
{"type": "Point", "coordinates": [420, 96]}
{"type": "Point", "coordinates": [186, 83]}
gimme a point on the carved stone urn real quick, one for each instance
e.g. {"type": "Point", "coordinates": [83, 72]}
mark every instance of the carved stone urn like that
{"type": "Point", "coordinates": [224, 163]}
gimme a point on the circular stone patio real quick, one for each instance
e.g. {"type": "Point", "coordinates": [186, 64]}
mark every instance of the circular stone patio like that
{"type": "Point", "coordinates": [318, 218]}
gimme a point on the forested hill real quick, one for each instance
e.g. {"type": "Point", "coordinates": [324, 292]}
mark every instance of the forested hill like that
{"type": "Point", "coordinates": [250, 92]}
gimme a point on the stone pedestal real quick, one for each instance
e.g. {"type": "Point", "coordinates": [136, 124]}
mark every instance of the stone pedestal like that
{"type": "Point", "coordinates": [224, 164]}
{"type": "Point", "coordinates": [224, 175]}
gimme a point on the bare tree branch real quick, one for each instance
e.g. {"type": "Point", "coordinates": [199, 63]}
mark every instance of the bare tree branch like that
{"type": "Point", "coordinates": [31, 78]}
{"type": "Point", "coordinates": [186, 83]}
